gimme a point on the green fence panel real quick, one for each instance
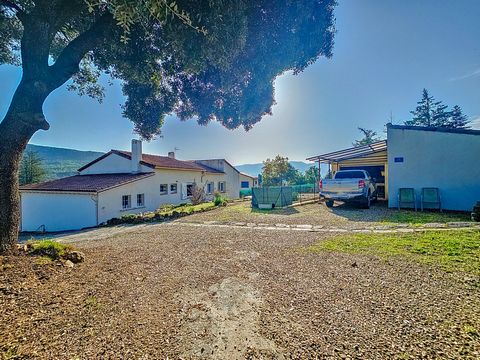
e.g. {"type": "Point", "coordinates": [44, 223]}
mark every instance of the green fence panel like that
{"type": "Point", "coordinates": [277, 196]}
{"type": "Point", "coordinates": [245, 192]}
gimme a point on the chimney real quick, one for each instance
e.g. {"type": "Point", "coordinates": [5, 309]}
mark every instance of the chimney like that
{"type": "Point", "coordinates": [171, 154]}
{"type": "Point", "coordinates": [136, 155]}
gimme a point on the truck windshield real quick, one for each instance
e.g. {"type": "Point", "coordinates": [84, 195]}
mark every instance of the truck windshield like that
{"type": "Point", "coordinates": [350, 175]}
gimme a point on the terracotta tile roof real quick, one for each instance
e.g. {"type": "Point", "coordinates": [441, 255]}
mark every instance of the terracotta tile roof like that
{"type": "Point", "coordinates": [250, 176]}
{"type": "Point", "coordinates": [86, 183]}
{"type": "Point", "coordinates": [169, 163]}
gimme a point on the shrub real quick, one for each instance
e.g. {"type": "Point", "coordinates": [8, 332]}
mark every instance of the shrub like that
{"type": "Point", "coordinates": [219, 200]}
{"type": "Point", "coordinates": [131, 219]}
{"type": "Point", "coordinates": [198, 194]}
{"type": "Point", "coordinates": [52, 249]}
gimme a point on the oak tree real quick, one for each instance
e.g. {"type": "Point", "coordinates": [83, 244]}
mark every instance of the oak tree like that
{"type": "Point", "coordinates": [211, 60]}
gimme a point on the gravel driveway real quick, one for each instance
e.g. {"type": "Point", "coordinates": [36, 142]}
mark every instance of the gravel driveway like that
{"type": "Point", "coordinates": [161, 291]}
{"type": "Point", "coordinates": [346, 216]}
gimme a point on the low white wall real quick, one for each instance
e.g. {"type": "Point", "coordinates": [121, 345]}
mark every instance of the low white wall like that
{"type": "Point", "coordinates": [57, 211]}
{"type": "Point", "coordinates": [448, 161]}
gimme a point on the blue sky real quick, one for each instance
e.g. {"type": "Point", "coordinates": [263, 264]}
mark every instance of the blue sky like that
{"type": "Point", "coordinates": [385, 53]}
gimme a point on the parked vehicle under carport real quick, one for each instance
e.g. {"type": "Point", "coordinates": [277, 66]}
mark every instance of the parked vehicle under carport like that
{"type": "Point", "coordinates": [356, 186]}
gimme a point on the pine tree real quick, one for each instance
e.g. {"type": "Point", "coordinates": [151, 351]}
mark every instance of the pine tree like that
{"type": "Point", "coordinates": [423, 115]}
{"type": "Point", "coordinates": [440, 115]}
{"type": "Point", "coordinates": [458, 120]}
{"type": "Point", "coordinates": [369, 136]}
{"type": "Point", "coordinates": [31, 169]}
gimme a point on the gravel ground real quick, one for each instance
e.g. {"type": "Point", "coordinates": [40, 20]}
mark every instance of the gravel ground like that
{"type": "Point", "coordinates": [161, 291]}
{"type": "Point", "coordinates": [346, 216]}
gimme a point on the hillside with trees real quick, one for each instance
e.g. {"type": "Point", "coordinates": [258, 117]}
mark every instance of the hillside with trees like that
{"type": "Point", "coordinates": [61, 162]}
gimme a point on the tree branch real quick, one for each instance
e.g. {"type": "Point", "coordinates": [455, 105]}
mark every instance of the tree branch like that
{"type": "Point", "coordinates": [18, 10]}
{"type": "Point", "coordinates": [69, 59]}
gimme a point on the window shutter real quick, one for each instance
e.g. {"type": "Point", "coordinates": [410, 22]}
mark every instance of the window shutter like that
{"type": "Point", "coordinates": [184, 191]}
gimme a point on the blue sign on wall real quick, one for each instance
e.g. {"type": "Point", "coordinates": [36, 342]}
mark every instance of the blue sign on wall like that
{"type": "Point", "coordinates": [399, 159]}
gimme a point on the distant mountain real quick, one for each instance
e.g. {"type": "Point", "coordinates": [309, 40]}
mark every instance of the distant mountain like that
{"type": "Point", "coordinates": [255, 169]}
{"type": "Point", "coordinates": [60, 162]}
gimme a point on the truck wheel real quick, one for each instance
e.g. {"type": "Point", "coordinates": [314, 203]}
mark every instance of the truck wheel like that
{"type": "Point", "coordinates": [367, 202]}
{"type": "Point", "coordinates": [329, 203]}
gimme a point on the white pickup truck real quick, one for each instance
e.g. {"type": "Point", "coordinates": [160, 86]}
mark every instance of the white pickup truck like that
{"type": "Point", "coordinates": [349, 186]}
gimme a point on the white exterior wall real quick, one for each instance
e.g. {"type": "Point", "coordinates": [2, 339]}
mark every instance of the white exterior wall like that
{"type": "Point", "coordinates": [251, 181]}
{"type": "Point", "coordinates": [231, 176]}
{"type": "Point", "coordinates": [110, 201]}
{"type": "Point", "coordinates": [57, 211]}
{"type": "Point", "coordinates": [113, 164]}
{"type": "Point", "coordinates": [448, 161]}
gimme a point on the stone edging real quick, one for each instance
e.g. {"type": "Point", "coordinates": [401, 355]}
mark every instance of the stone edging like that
{"type": "Point", "coordinates": [400, 228]}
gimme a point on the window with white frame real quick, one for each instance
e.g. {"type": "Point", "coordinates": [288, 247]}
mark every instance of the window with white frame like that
{"type": "Point", "coordinates": [163, 189]}
{"type": "Point", "coordinates": [222, 185]}
{"type": "Point", "coordinates": [209, 188]}
{"type": "Point", "coordinates": [126, 201]}
{"type": "Point", "coordinates": [140, 200]}
{"type": "Point", "coordinates": [189, 190]}
{"type": "Point", "coordinates": [173, 188]}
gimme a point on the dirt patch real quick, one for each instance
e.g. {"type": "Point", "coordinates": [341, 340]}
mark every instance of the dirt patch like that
{"type": "Point", "coordinates": [162, 291]}
{"type": "Point", "coordinates": [224, 323]}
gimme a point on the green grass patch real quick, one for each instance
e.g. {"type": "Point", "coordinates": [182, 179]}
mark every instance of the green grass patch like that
{"type": "Point", "coordinates": [92, 302]}
{"type": "Point", "coordinates": [186, 209]}
{"type": "Point", "coordinates": [423, 217]}
{"type": "Point", "coordinates": [49, 248]}
{"type": "Point", "coordinates": [453, 250]}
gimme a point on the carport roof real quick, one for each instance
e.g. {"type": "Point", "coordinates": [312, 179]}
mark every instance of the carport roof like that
{"type": "Point", "coordinates": [351, 153]}
{"type": "Point", "coordinates": [86, 183]}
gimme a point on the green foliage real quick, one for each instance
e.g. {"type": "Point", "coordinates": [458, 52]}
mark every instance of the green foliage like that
{"type": "Point", "coordinates": [164, 213]}
{"type": "Point", "coordinates": [454, 250]}
{"type": "Point", "coordinates": [312, 175]}
{"type": "Point", "coordinates": [458, 119]}
{"type": "Point", "coordinates": [219, 200]}
{"type": "Point", "coordinates": [369, 137]}
{"type": "Point", "coordinates": [203, 59]}
{"type": "Point", "coordinates": [31, 169]}
{"type": "Point", "coordinates": [278, 171]}
{"type": "Point", "coordinates": [433, 113]}
{"type": "Point", "coordinates": [419, 218]}
{"type": "Point", "coordinates": [49, 248]}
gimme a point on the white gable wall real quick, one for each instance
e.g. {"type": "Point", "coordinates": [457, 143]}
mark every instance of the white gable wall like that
{"type": "Point", "coordinates": [251, 181]}
{"type": "Point", "coordinates": [231, 176]}
{"type": "Point", "coordinates": [113, 164]}
{"type": "Point", "coordinates": [448, 161]}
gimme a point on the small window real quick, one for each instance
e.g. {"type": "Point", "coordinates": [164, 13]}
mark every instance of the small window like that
{"type": "Point", "coordinates": [245, 185]}
{"type": "Point", "coordinates": [126, 201]}
{"type": "Point", "coordinates": [189, 189]}
{"type": "Point", "coordinates": [163, 189]}
{"type": "Point", "coordinates": [209, 187]}
{"type": "Point", "coordinates": [173, 188]}
{"type": "Point", "coordinates": [221, 186]}
{"type": "Point", "coordinates": [140, 200]}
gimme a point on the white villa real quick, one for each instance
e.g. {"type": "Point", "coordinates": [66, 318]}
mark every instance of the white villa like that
{"type": "Point", "coordinates": [119, 183]}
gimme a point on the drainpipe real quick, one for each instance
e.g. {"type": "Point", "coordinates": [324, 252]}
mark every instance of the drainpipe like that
{"type": "Point", "coordinates": [95, 200]}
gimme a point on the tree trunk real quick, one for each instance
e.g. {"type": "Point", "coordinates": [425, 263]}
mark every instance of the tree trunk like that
{"type": "Point", "coordinates": [23, 119]}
